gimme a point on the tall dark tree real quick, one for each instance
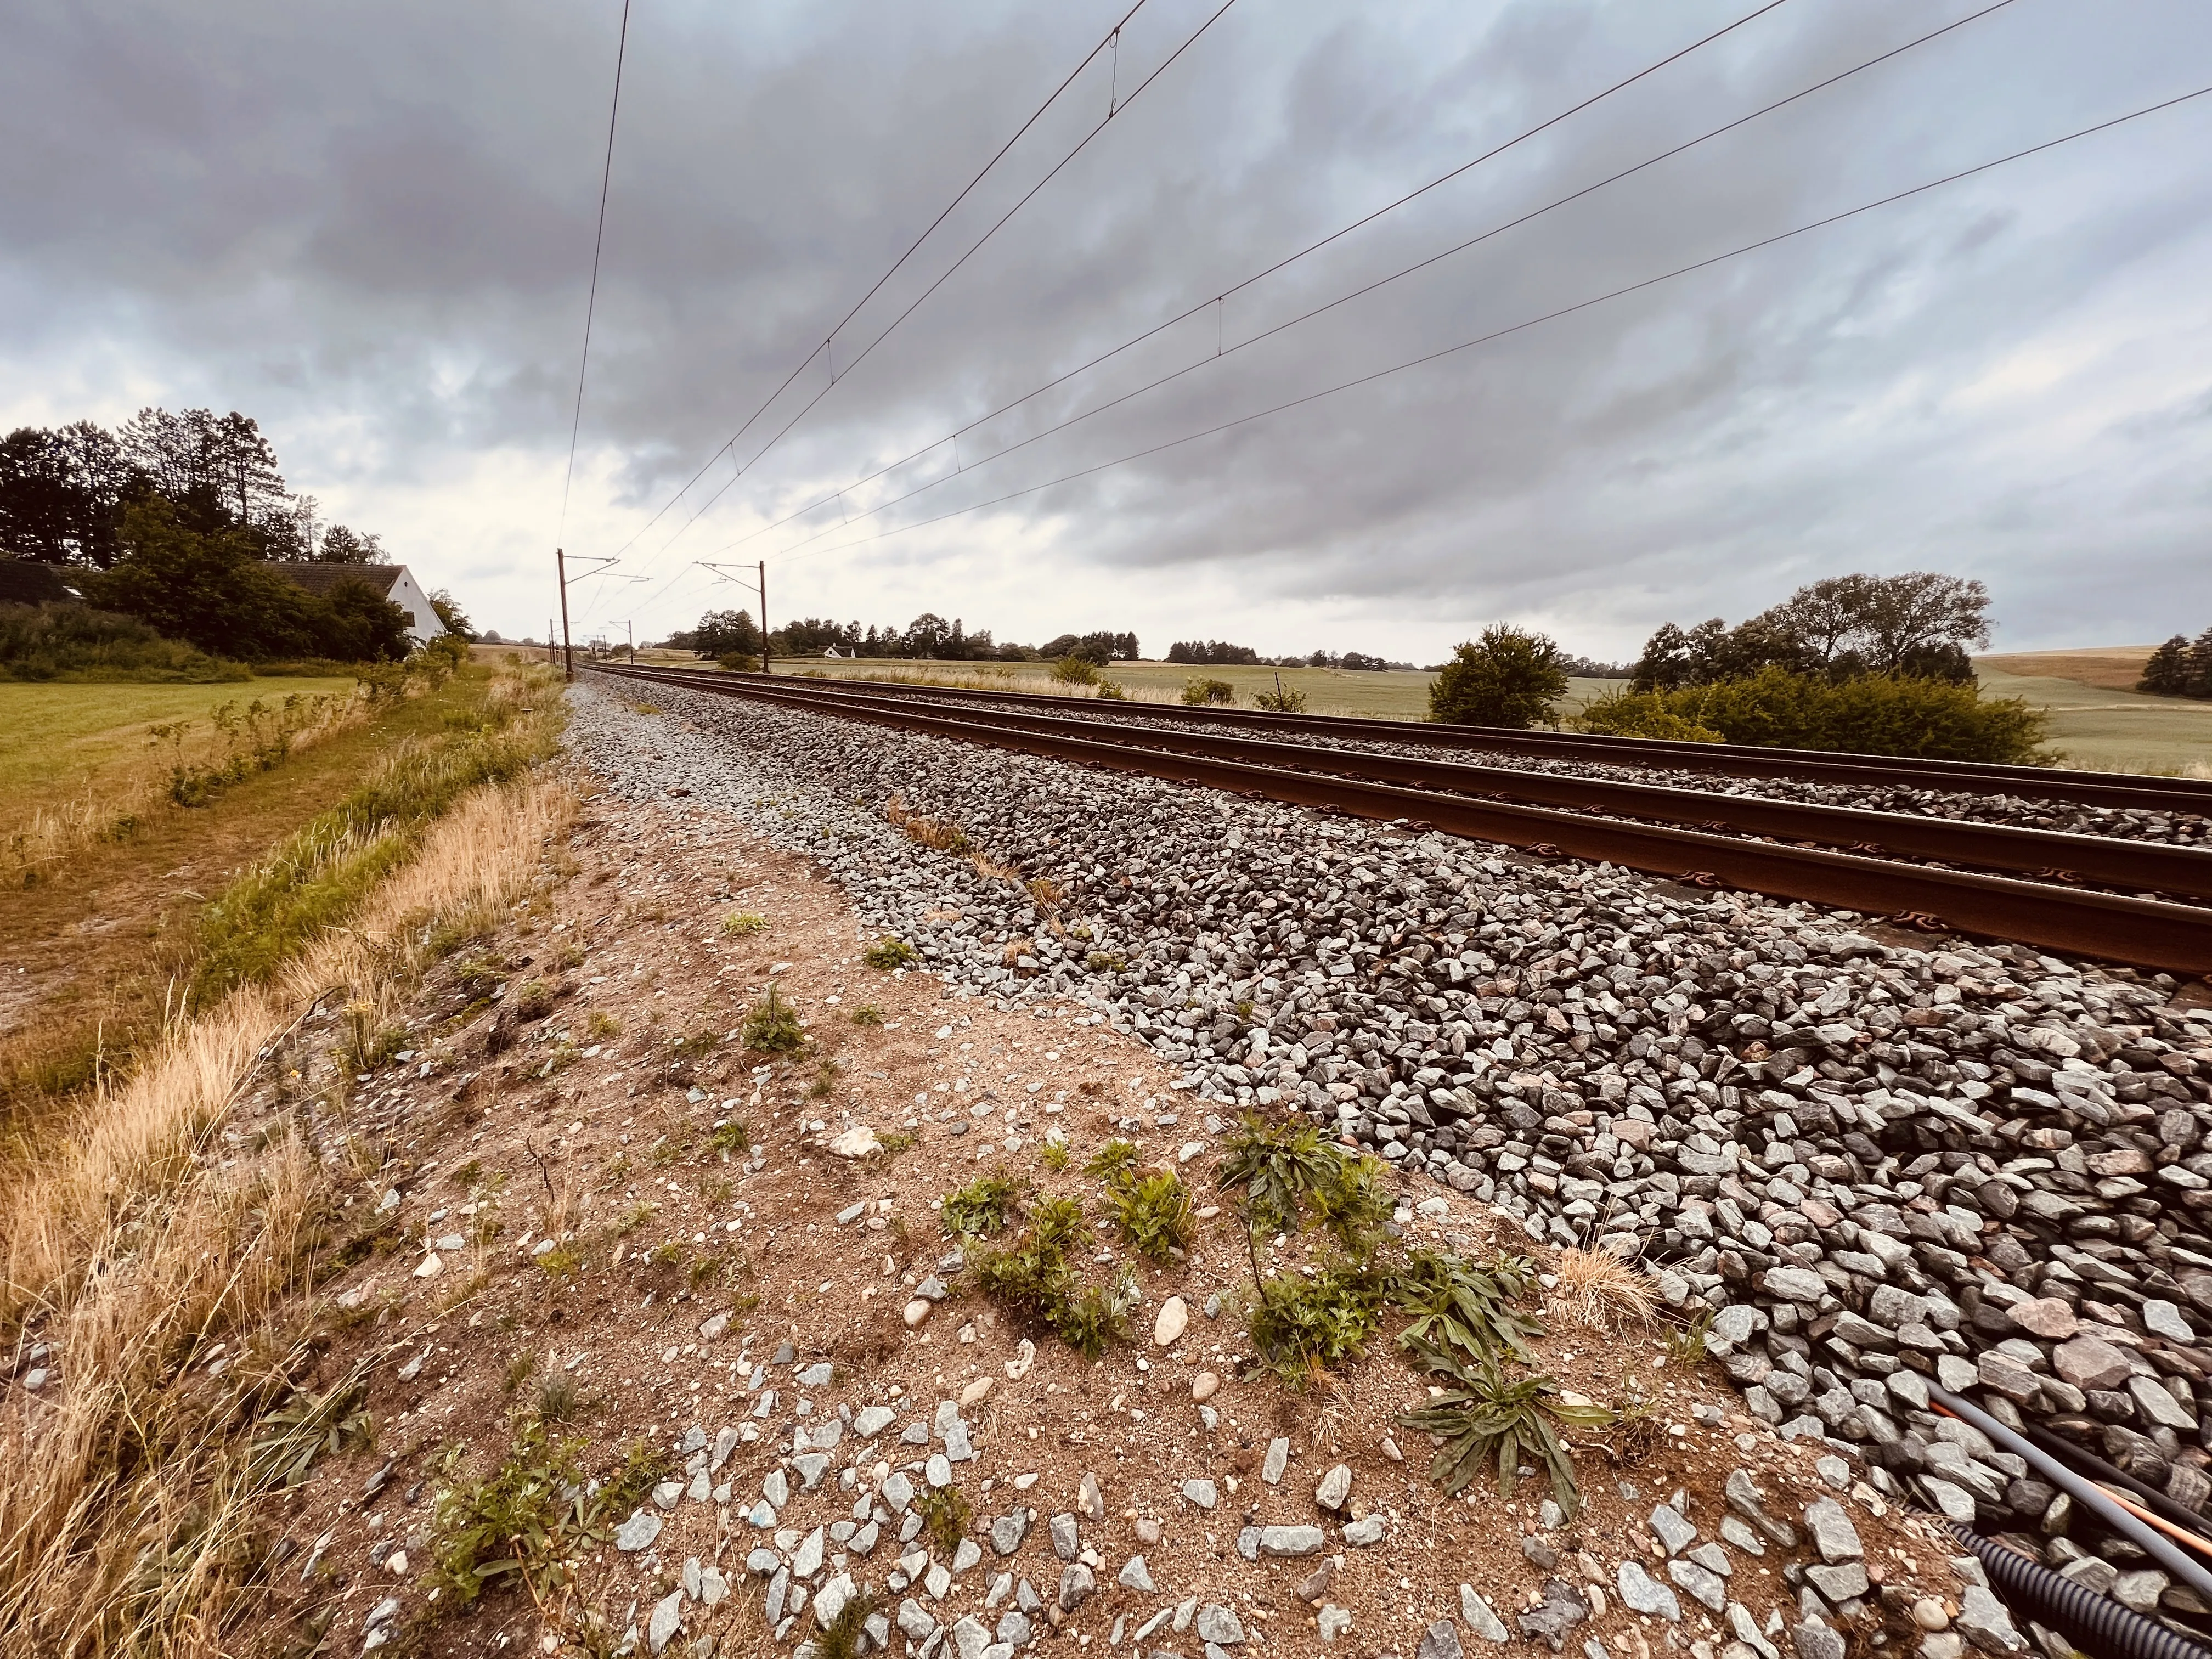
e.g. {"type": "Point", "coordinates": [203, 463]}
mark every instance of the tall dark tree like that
{"type": "Point", "coordinates": [62, 494]}
{"type": "Point", "coordinates": [340, 545]}
{"type": "Point", "coordinates": [1918, 625]}
{"type": "Point", "coordinates": [1510, 676]}
{"type": "Point", "coordinates": [2166, 673]}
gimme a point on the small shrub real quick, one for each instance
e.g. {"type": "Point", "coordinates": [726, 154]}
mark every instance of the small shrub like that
{"type": "Point", "coordinates": [518, 1524]}
{"type": "Point", "coordinates": [1104, 962]}
{"type": "Point", "coordinates": [1113, 1161]}
{"type": "Point", "coordinates": [519, 1371]}
{"type": "Point", "coordinates": [1684, 1344]}
{"type": "Point", "coordinates": [743, 924]}
{"type": "Point", "coordinates": [734, 1136]}
{"type": "Point", "coordinates": [466, 1174]}
{"type": "Point", "coordinates": [1286, 1168]}
{"type": "Point", "coordinates": [1486, 1417]}
{"type": "Point", "coordinates": [1199, 691]}
{"type": "Point", "coordinates": [1075, 671]}
{"type": "Point", "coordinates": [1872, 714]}
{"type": "Point", "coordinates": [1111, 692]}
{"type": "Point", "coordinates": [561, 1262]}
{"type": "Point", "coordinates": [1034, 1277]}
{"type": "Point", "coordinates": [1152, 1213]}
{"type": "Point", "coordinates": [888, 952]}
{"type": "Point", "coordinates": [868, 1014]}
{"type": "Point", "coordinates": [1056, 1155]}
{"type": "Point", "coordinates": [845, 1637]}
{"type": "Point", "coordinates": [825, 1080]}
{"type": "Point", "coordinates": [771, 1026]}
{"type": "Point", "coordinates": [630, 1219]}
{"type": "Point", "coordinates": [1510, 677]}
{"type": "Point", "coordinates": [981, 1208]}
{"type": "Point", "coordinates": [1639, 714]}
{"type": "Point", "coordinates": [1283, 700]}
{"type": "Point", "coordinates": [946, 1516]}
{"type": "Point", "coordinates": [1300, 1327]}
{"type": "Point", "coordinates": [601, 1026]}
{"type": "Point", "coordinates": [891, 1142]}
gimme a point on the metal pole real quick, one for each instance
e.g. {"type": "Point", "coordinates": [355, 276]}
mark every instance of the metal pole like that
{"type": "Point", "coordinates": [763, 598]}
{"type": "Point", "coordinates": [630, 628]}
{"type": "Point", "coordinates": [551, 649]}
{"type": "Point", "coordinates": [568, 647]}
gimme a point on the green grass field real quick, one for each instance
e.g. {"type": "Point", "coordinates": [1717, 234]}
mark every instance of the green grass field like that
{"type": "Point", "coordinates": [2102, 729]}
{"type": "Point", "coordinates": [60, 739]}
{"type": "Point", "coordinates": [1390, 695]}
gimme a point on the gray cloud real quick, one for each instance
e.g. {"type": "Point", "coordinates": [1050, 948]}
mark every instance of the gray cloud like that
{"type": "Point", "coordinates": [371, 227]}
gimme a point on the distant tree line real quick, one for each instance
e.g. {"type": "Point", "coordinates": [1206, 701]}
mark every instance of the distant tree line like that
{"type": "Point", "coordinates": [65, 491]}
{"type": "Point", "coordinates": [1219, 653]}
{"type": "Point", "coordinates": [2179, 668]}
{"type": "Point", "coordinates": [928, 637]}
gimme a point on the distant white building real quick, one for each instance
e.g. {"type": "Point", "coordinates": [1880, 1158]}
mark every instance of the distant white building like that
{"type": "Point", "coordinates": [393, 582]}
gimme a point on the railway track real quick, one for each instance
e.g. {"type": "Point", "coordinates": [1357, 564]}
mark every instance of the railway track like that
{"type": "Point", "coordinates": [2047, 888]}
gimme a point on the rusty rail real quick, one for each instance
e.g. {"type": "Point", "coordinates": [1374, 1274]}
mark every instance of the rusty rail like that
{"type": "Point", "coordinates": [2151, 932]}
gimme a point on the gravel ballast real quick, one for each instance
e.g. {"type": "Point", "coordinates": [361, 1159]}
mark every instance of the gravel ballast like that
{"type": "Point", "coordinates": [1876, 1164]}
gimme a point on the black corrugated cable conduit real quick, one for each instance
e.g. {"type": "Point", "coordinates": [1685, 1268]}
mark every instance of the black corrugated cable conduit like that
{"type": "Point", "coordinates": [2177, 1562]}
{"type": "Point", "coordinates": [2097, 1624]}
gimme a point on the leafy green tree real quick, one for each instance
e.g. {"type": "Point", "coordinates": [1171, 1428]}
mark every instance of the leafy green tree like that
{"type": "Point", "coordinates": [723, 633]}
{"type": "Point", "coordinates": [340, 545]}
{"type": "Point", "coordinates": [455, 619]}
{"type": "Point", "coordinates": [1510, 676]}
{"type": "Point", "coordinates": [210, 587]}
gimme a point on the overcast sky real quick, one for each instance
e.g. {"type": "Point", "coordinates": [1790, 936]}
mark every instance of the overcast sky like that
{"type": "Point", "coordinates": [371, 227]}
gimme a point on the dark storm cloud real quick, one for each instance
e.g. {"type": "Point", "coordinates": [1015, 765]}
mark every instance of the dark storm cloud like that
{"type": "Point", "coordinates": [371, 226]}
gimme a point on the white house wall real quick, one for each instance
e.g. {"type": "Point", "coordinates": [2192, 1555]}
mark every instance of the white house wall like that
{"type": "Point", "coordinates": [422, 623]}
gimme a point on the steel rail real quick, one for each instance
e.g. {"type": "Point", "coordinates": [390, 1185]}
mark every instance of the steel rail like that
{"type": "Point", "coordinates": [2147, 933]}
{"type": "Point", "coordinates": [2135, 791]}
{"type": "Point", "coordinates": [2143, 868]}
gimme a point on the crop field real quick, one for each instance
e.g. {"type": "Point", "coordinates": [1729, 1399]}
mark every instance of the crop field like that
{"type": "Point", "coordinates": [2098, 724]}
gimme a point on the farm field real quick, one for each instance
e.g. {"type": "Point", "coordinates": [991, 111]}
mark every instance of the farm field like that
{"type": "Point", "coordinates": [2098, 724]}
{"type": "Point", "coordinates": [60, 739]}
{"type": "Point", "coordinates": [1390, 695]}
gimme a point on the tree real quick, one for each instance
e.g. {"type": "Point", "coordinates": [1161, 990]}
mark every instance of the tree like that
{"type": "Point", "coordinates": [726, 633]}
{"type": "Point", "coordinates": [2199, 681]}
{"type": "Point", "coordinates": [62, 493]}
{"type": "Point", "coordinates": [1918, 625]}
{"type": "Point", "coordinates": [2166, 672]}
{"type": "Point", "coordinates": [1510, 676]}
{"type": "Point", "coordinates": [210, 588]}
{"type": "Point", "coordinates": [340, 545]}
{"type": "Point", "coordinates": [449, 611]}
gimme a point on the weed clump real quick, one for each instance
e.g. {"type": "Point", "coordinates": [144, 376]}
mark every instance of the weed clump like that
{"type": "Point", "coordinates": [1056, 1156]}
{"type": "Point", "coordinates": [1283, 700]}
{"type": "Point", "coordinates": [1599, 1290]}
{"type": "Point", "coordinates": [1486, 1416]}
{"type": "Point", "coordinates": [733, 1135]}
{"type": "Point", "coordinates": [1200, 692]}
{"type": "Point", "coordinates": [558, 1398]}
{"type": "Point", "coordinates": [771, 1026]}
{"type": "Point", "coordinates": [1300, 1327]}
{"type": "Point", "coordinates": [981, 1208]}
{"type": "Point", "coordinates": [1285, 1169]}
{"type": "Point", "coordinates": [517, 1525]}
{"type": "Point", "coordinates": [868, 1014]}
{"type": "Point", "coordinates": [1035, 1276]}
{"type": "Point", "coordinates": [743, 924]}
{"type": "Point", "coordinates": [1152, 1212]}
{"type": "Point", "coordinates": [888, 952]}
{"type": "Point", "coordinates": [845, 1637]}
{"type": "Point", "coordinates": [944, 1515]}
{"type": "Point", "coordinates": [1075, 671]}
{"type": "Point", "coordinates": [1113, 1161]}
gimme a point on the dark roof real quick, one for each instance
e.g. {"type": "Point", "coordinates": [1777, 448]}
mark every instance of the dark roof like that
{"type": "Point", "coordinates": [320, 578]}
{"type": "Point", "coordinates": [25, 581]}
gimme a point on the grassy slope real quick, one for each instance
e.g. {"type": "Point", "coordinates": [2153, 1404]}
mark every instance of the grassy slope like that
{"type": "Point", "coordinates": [56, 739]}
{"type": "Point", "coordinates": [2097, 725]}
{"type": "Point", "coordinates": [95, 949]}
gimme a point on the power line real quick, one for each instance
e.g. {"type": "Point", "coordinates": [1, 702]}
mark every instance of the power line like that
{"type": "Point", "coordinates": [1547, 316]}
{"type": "Point", "coordinates": [953, 437]}
{"type": "Point", "coordinates": [598, 241]}
{"type": "Point", "coordinates": [1219, 352]}
{"type": "Point", "coordinates": [1112, 41]}
{"type": "Point", "coordinates": [1280, 265]}
{"type": "Point", "coordinates": [1111, 38]}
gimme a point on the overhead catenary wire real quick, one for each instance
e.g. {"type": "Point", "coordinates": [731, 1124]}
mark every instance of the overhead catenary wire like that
{"type": "Point", "coordinates": [1111, 40]}
{"type": "Point", "coordinates": [598, 242]}
{"type": "Point", "coordinates": [1216, 301]}
{"type": "Point", "coordinates": [1219, 300]}
{"type": "Point", "coordinates": [808, 407]}
{"type": "Point", "coordinates": [1525, 323]}
{"type": "Point", "coordinates": [1220, 351]}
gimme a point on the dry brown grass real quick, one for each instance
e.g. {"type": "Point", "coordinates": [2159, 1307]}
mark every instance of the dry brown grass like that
{"type": "Point", "coordinates": [922, 831]}
{"type": "Point", "coordinates": [136, 1235]}
{"type": "Point", "coordinates": [1599, 1292]}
